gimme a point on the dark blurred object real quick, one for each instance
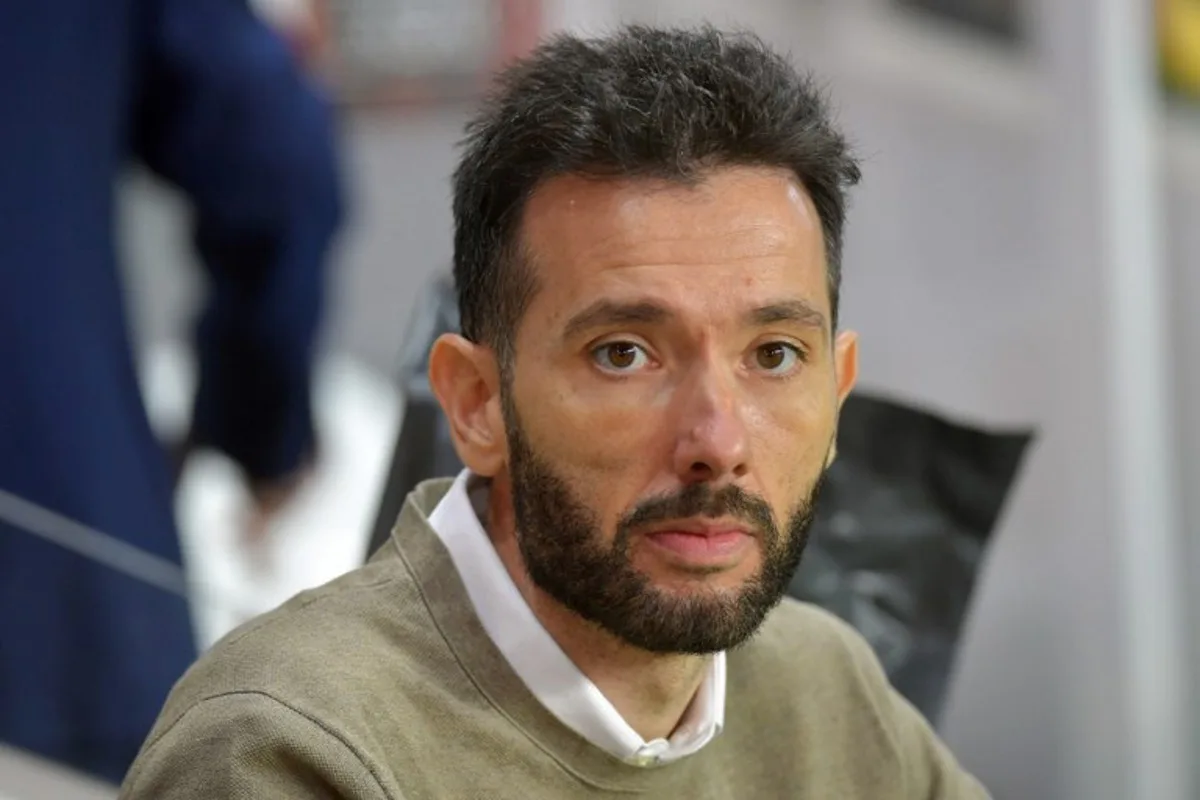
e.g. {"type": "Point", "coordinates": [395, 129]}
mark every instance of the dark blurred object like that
{"type": "Point", "coordinates": [424, 448]}
{"type": "Point", "coordinates": [998, 18]}
{"type": "Point", "coordinates": [901, 530]}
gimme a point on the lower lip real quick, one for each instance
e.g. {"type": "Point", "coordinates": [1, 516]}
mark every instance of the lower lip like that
{"type": "Point", "coordinates": [708, 549]}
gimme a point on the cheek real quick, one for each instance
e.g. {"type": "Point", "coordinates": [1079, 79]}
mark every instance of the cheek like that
{"type": "Point", "coordinates": [611, 425]}
{"type": "Point", "coordinates": [790, 435]}
{"type": "Point", "coordinates": [607, 429]}
{"type": "Point", "coordinates": [598, 450]}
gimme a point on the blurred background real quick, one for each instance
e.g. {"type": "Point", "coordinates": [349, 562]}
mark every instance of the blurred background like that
{"type": "Point", "coordinates": [1022, 253]}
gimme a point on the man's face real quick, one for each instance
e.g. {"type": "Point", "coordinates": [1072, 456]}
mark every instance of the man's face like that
{"type": "Point", "coordinates": [672, 403]}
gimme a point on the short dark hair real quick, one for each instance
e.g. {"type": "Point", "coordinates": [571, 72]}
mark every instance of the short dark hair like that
{"type": "Point", "coordinates": [641, 102]}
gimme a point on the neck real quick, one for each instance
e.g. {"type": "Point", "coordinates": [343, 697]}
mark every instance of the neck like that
{"type": "Point", "coordinates": [650, 691]}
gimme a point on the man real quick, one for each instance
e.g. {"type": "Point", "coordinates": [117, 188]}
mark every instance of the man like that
{"type": "Point", "coordinates": [645, 394]}
{"type": "Point", "coordinates": [202, 92]}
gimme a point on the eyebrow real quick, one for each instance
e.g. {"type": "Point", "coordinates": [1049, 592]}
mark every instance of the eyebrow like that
{"type": "Point", "coordinates": [798, 312]}
{"type": "Point", "coordinates": [609, 313]}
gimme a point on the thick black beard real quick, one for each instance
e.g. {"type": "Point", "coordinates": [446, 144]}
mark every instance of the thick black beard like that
{"type": "Point", "coordinates": [560, 542]}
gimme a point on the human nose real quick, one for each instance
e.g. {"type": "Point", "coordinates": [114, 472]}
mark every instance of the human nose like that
{"type": "Point", "coordinates": [712, 443]}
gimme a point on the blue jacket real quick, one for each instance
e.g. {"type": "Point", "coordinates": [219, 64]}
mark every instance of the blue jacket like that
{"type": "Point", "coordinates": [202, 93]}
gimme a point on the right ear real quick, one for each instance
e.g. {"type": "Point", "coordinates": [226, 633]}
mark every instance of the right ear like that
{"type": "Point", "coordinates": [465, 378]}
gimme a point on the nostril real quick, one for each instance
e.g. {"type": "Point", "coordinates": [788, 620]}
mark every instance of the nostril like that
{"type": "Point", "coordinates": [704, 471]}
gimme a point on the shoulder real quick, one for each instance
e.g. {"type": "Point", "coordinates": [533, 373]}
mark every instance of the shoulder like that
{"type": "Point", "coordinates": [298, 685]}
{"type": "Point", "coordinates": [809, 672]}
{"type": "Point", "coordinates": [325, 653]}
{"type": "Point", "coordinates": [802, 632]}
{"type": "Point", "coordinates": [806, 663]}
{"type": "Point", "coordinates": [234, 744]}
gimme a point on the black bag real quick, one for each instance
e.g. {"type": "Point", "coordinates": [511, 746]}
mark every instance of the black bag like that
{"type": "Point", "coordinates": [423, 447]}
{"type": "Point", "coordinates": [900, 533]}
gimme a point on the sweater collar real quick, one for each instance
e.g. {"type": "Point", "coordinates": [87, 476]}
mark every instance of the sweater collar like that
{"type": "Point", "coordinates": [450, 606]}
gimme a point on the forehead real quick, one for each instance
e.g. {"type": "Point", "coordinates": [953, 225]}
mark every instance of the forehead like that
{"type": "Point", "coordinates": [742, 236]}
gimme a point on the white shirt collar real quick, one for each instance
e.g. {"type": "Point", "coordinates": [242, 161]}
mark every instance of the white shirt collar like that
{"type": "Point", "coordinates": [542, 665]}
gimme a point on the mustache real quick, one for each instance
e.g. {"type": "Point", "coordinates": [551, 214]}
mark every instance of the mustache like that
{"type": "Point", "coordinates": [701, 500]}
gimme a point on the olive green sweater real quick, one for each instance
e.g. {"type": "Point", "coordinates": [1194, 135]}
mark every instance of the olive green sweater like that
{"type": "Point", "coordinates": [383, 684]}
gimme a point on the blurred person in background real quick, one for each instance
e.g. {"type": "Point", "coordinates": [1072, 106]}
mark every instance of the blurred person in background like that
{"type": "Point", "coordinates": [213, 101]}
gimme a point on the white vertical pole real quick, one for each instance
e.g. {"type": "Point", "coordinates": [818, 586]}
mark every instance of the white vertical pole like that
{"type": "Point", "coordinates": [1150, 546]}
{"type": "Point", "coordinates": [1104, 141]}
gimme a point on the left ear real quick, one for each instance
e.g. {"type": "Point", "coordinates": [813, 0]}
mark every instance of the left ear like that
{"type": "Point", "coordinates": [845, 368]}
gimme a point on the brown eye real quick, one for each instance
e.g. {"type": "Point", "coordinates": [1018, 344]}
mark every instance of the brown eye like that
{"type": "Point", "coordinates": [776, 356]}
{"type": "Point", "coordinates": [619, 356]}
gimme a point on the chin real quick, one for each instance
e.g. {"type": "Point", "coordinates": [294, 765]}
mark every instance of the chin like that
{"type": "Point", "coordinates": [717, 586]}
{"type": "Point", "coordinates": [670, 576]}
